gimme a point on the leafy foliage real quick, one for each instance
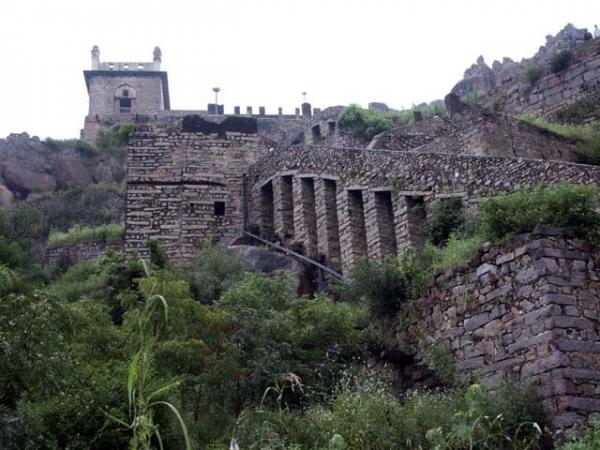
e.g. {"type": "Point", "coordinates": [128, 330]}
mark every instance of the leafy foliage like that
{"type": "Point", "coordinates": [578, 111]}
{"type": "Point", "coordinates": [560, 60]}
{"type": "Point", "coordinates": [589, 440]}
{"type": "Point", "coordinates": [446, 217]}
{"type": "Point", "coordinates": [533, 73]}
{"type": "Point", "coordinates": [362, 414]}
{"type": "Point", "coordinates": [565, 206]}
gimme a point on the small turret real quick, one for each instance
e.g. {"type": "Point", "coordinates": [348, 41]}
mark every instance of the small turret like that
{"type": "Point", "coordinates": [157, 58]}
{"type": "Point", "coordinates": [95, 58]}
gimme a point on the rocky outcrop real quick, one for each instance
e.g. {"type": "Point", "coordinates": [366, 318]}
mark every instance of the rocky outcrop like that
{"type": "Point", "coordinates": [530, 86]}
{"type": "Point", "coordinates": [6, 196]}
{"type": "Point", "coordinates": [71, 172]}
{"type": "Point", "coordinates": [28, 165]}
{"type": "Point", "coordinates": [25, 181]}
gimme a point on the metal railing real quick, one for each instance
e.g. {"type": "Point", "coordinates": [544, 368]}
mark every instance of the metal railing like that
{"type": "Point", "coordinates": [293, 254]}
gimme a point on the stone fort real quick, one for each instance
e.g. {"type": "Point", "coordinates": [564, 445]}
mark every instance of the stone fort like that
{"type": "Point", "coordinates": [529, 308]}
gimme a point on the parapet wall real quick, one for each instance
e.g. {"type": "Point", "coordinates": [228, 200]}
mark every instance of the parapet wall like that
{"type": "Point", "coordinates": [345, 203]}
{"type": "Point", "coordinates": [82, 251]}
{"type": "Point", "coordinates": [530, 310]}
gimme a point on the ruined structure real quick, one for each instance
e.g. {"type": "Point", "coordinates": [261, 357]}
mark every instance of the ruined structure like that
{"type": "Point", "coordinates": [300, 180]}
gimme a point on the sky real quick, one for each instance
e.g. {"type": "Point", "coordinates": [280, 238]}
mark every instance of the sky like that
{"type": "Point", "coordinates": [262, 52]}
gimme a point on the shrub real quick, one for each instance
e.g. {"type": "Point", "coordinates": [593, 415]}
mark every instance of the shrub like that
{"type": "Point", "coordinates": [79, 233]}
{"type": "Point", "coordinates": [82, 147]}
{"type": "Point", "coordinates": [366, 123]}
{"type": "Point", "coordinates": [590, 440]}
{"type": "Point", "coordinates": [457, 250]}
{"type": "Point", "coordinates": [565, 206]}
{"type": "Point", "coordinates": [533, 73]}
{"type": "Point", "coordinates": [560, 60]}
{"type": "Point", "coordinates": [386, 285]}
{"type": "Point", "coordinates": [447, 216]}
{"type": "Point", "coordinates": [578, 111]}
{"type": "Point", "coordinates": [212, 273]}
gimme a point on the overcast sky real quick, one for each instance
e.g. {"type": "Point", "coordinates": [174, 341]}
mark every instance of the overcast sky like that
{"type": "Point", "coordinates": [262, 52]}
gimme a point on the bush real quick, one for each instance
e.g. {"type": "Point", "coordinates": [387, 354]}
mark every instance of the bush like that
{"type": "Point", "coordinates": [578, 111]}
{"type": "Point", "coordinates": [386, 285]}
{"type": "Point", "coordinates": [366, 123]}
{"type": "Point", "coordinates": [564, 206]}
{"type": "Point", "coordinates": [533, 73]}
{"type": "Point", "coordinates": [79, 233]}
{"type": "Point", "coordinates": [590, 440]}
{"type": "Point", "coordinates": [212, 273]}
{"type": "Point", "coordinates": [560, 60]}
{"type": "Point", "coordinates": [363, 414]}
{"type": "Point", "coordinates": [447, 216]}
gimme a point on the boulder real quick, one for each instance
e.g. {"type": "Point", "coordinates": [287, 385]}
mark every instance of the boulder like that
{"type": "Point", "coordinates": [256, 259]}
{"type": "Point", "coordinates": [6, 196]}
{"type": "Point", "coordinates": [70, 173]}
{"type": "Point", "coordinates": [21, 179]}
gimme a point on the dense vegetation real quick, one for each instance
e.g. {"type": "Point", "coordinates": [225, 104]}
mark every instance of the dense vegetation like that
{"type": "Point", "coordinates": [119, 354]}
{"type": "Point", "coordinates": [366, 123]}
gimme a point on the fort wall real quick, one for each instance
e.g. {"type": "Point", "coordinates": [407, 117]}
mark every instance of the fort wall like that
{"type": "Point", "coordinates": [529, 310]}
{"type": "Point", "coordinates": [185, 188]}
{"type": "Point", "coordinates": [89, 250]}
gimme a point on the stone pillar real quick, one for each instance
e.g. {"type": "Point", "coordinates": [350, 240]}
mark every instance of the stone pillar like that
{"type": "Point", "coordinates": [353, 238]}
{"type": "Point", "coordinates": [261, 110]}
{"type": "Point", "coordinates": [283, 193]}
{"type": "Point", "coordinates": [249, 110]}
{"type": "Point", "coordinates": [95, 58]}
{"type": "Point", "coordinates": [157, 58]}
{"type": "Point", "coordinates": [409, 215]}
{"type": "Point", "coordinates": [305, 216]}
{"type": "Point", "coordinates": [381, 233]}
{"type": "Point", "coordinates": [280, 111]}
{"type": "Point", "coordinates": [328, 236]}
{"type": "Point", "coordinates": [236, 110]}
{"type": "Point", "coordinates": [266, 211]}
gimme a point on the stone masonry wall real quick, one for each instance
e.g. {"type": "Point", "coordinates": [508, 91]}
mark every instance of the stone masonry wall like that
{"type": "Point", "coordinates": [186, 188]}
{"type": "Point", "coordinates": [378, 191]}
{"type": "Point", "coordinates": [530, 310]}
{"type": "Point", "coordinates": [82, 251]}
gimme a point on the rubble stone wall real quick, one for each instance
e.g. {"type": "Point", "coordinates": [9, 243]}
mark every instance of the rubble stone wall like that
{"type": "Point", "coordinates": [81, 251]}
{"type": "Point", "coordinates": [529, 309]}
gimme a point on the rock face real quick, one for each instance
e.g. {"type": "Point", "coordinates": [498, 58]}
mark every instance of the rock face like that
{"type": "Point", "coordinates": [70, 173]}
{"type": "Point", "coordinates": [25, 181]}
{"type": "Point", "coordinates": [6, 196]}
{"type": "Point", "coordinates": [515, 90]}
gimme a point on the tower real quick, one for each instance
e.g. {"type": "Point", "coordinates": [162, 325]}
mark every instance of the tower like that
{"type": "Point", "coordinates": [122, 91]}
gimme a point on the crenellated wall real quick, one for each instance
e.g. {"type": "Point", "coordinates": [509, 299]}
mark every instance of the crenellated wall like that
{"type": "Point", "coordinates": [530, 310]}
{"type": "Point", "coordinates": [381, 197]}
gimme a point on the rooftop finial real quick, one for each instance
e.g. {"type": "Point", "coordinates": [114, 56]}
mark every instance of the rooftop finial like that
{"type": "Point", "coordinates": [95, 57]}
{"type": "Point", "coordinates": [157, 57]}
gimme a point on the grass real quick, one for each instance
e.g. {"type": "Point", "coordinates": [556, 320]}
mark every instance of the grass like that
{"type": "Point", "coordinates": [109, 232]}
{"type": "Point", "coordinates": [587, 150]}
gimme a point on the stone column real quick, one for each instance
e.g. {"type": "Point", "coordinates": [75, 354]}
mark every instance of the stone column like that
{"type": "Point", "coordinates": [305, 217]}
{"type": "Point", "coordinates": [283, 196]}
{"type": "Point", "coordinates": [380, 226]}
{"type": "Point", "coordinates": [328, 236]}
{"type": "Point", "coordinates": [353, 239]}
